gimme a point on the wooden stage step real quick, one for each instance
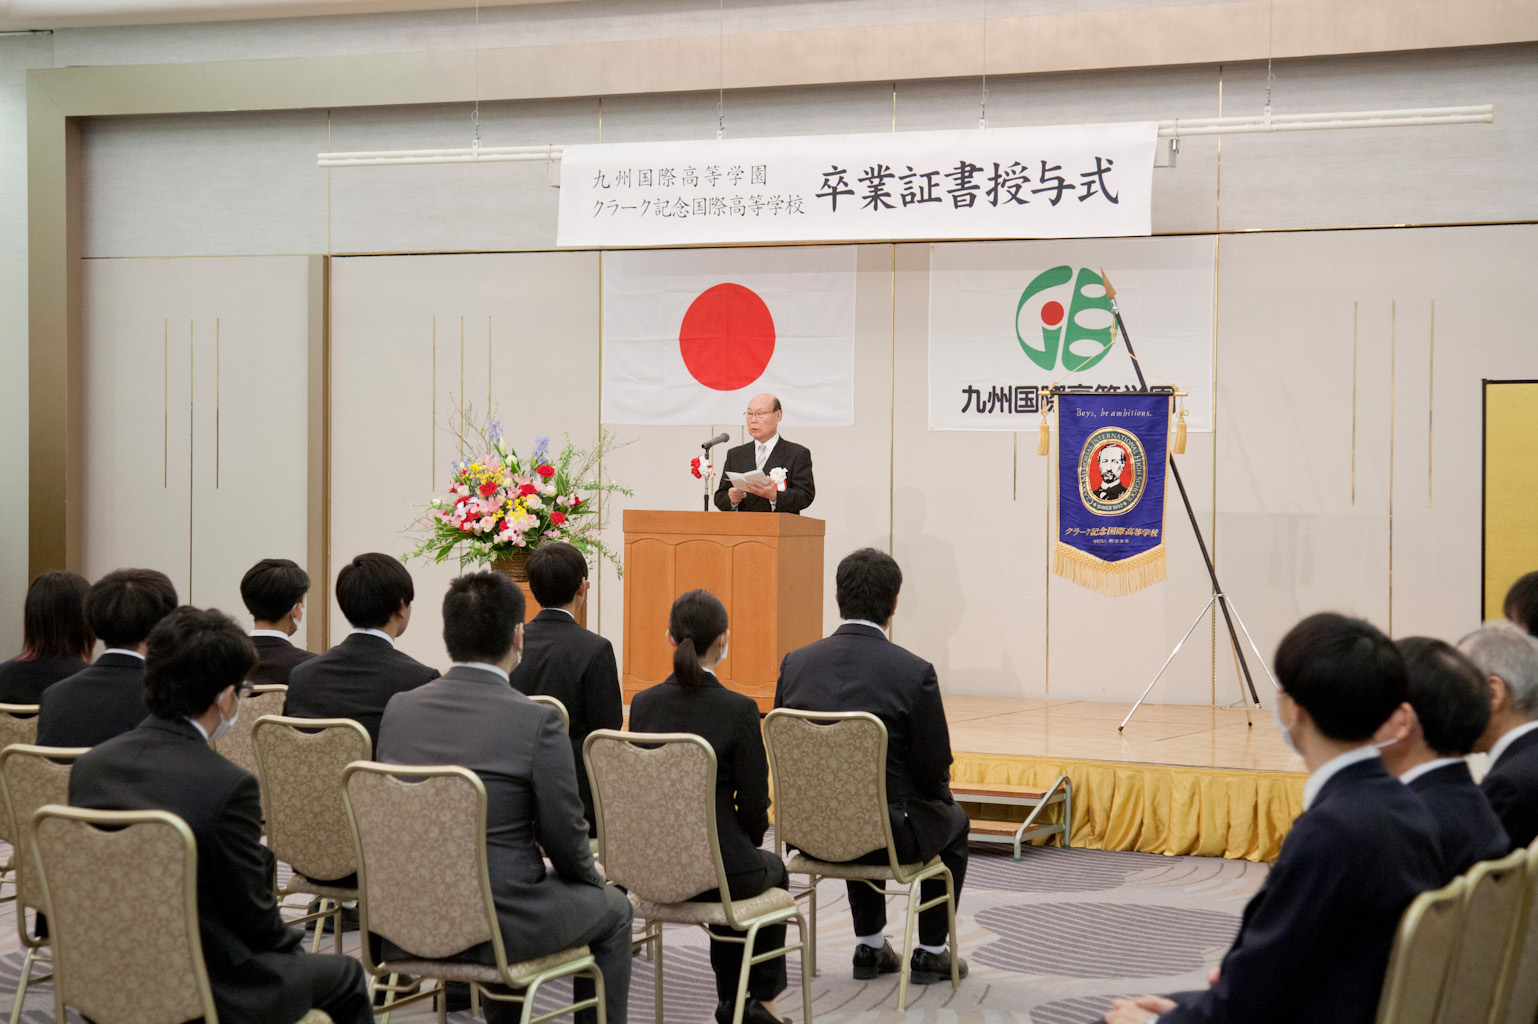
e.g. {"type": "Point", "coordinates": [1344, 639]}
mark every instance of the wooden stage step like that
{"type": "Point", "coordinates": [964, 790]}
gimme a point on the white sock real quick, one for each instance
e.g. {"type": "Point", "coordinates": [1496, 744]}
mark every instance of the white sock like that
{"type": "Point", "coordinates": [936, 950]}
{"type": "Point", "coordinates": [873, 941]}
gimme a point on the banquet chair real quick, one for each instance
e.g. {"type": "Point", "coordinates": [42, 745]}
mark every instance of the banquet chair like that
{"type": "Point", "coordinates": [830, 803]}
{"type": "Point", "coordinates": [1424, 944]}
{"type": "Point", "coordinates": [1518, 997]}
{"type": "Point", "coordinates": [18, 724]}
{"type": "Point", "coordinates": [266, 699]}
{"type": "Point", "coordinates": [420, 839]}
{"type": "Point", "coordinates": [299, 764]}
{"type": "Point", "coordinates": [31, 776]}
{"type": "Point", "coordinates": [1492, 903]}
{"type": "Point", "coordinates": [107, 878]}
{"type": "Point", "coordinates": [654, 795]}
{"type": "Point", "coordinates": [555, 702]}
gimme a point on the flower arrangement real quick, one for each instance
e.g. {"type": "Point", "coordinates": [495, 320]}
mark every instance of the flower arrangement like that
{"type": "Point", "coordinates": [700, 468]}
{"type": "Point", "coordinates": [500, 504]}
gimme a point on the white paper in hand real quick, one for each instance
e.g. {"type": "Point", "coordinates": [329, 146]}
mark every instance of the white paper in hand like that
{"type": "Point", "coordinates": [754, 476]}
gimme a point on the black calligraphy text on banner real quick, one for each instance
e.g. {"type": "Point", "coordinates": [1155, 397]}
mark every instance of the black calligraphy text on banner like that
{"type": "Point", "coordinates": [1111, 451]}
{"type": "Point", "coordinates": [1054, 182]}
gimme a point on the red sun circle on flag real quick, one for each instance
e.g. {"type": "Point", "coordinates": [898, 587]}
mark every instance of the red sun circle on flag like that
{"type": "Point", "coordinates": [727, 337]}
{"type": "Point", "coordinates": [1052, 314]}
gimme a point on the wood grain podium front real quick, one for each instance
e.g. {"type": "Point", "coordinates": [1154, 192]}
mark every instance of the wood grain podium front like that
{"type": "Point", "coordinates": [765, 567]}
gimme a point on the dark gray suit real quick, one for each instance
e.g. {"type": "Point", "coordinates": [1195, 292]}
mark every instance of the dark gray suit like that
{"type": "Point", "coordinates": [473, 718]}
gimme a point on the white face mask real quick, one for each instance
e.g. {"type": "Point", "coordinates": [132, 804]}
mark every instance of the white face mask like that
{"type": "Point", "coordinates": [724, 649]}
{"type": "Point", "coordinates": [225, 724]}
{"type": "Point", "coordinates": [1285, 730]}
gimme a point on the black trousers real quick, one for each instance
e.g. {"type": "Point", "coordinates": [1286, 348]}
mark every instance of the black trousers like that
{"type": "Point", "coordinates": [765, 980]}
{"type": "Point", "coordinates": [868, 907]}
{"type": "Point", "coordinates": [609, 940]}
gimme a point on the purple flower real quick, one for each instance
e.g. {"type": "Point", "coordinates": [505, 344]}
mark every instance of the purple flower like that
{"type": "Point", "coordinates": [494, 430]}
{"type": "Point", "coordinates": [541, 448]}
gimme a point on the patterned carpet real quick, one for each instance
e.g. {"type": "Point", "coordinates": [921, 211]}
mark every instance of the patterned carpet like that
{"type": "Point", "coordinates": [1051, 940]}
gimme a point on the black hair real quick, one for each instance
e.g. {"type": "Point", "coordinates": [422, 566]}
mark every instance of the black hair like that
{"type": "Point", "coordinates": [1521, 604]}
{"type": "Point", "coordinates": [555, 572]}
{"type": "Point", "coordinates": [866, 584]}
{"type": "Point", "coordinates": [481, 612]}
{"type": "Point", "coordinates": [191, 657]}
{"type": "Point", "coordinates": [124, 605]}
{"type": "Point", "coordinates": [53, 621]}
{"type": "Point", "coordinates": [1346, 674]}
{"type": "Point", "coordinates": [371, 588]}
{"type": "Point", "coordinates": [272, 587]}
{"type": "Point", "coordinates": [1448, 693]}
{"type": "Point", "coordinates": [697, 620]}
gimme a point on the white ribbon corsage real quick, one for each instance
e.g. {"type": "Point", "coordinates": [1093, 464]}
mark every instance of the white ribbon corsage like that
{"type": "Point", "coordinates": [777, 474]}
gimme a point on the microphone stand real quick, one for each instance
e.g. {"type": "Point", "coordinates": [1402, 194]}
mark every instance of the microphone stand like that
{"type": "Point", "coordinates": [706, 476]}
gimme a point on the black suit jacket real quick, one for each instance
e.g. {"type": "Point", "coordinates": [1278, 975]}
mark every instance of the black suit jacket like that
{"type": "Point", "coordinates": [165, 764]}
{"type": "Point", "coordinates": [859, 669]}
{"type": "Point", "coordinates": [276, 657]}
{"type": "Point", "coordinates": [94, 704]}
{"type": "Point", "coordinates": [577, 667]}
{"type": "Point", "coordinates": [795, 459]}
{"type": "Point", "coordinates": [1512, 786]}
{"type": "Point", "coordinates": [729, 722]}
{"type": "Point", "coordinates": [471, 717]}
{"type": "Point", "coordinates": [1314, 942]}
{"type": "Point", "coordinates": [1467, 824]}
{"type": "Point", "coordinates": [23, 680]}
{"type": "Point", "coordinates": [355, 679]}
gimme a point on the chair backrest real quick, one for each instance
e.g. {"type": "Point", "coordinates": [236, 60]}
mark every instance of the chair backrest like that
{"type": "Point", "coordinates": [266, 699]}
{"type": "Point", "coordinates": [18, 724]}
{"type": "Point", "coordinates": [31, 776]}
{"type": "Point", "coordinates": [555, 702]}
{"type": "Point", "coordinates": [1423, 950]}
{"type": "Point", "coordinates": [420, 837]}
{"type": "Point", "coordinates": [829, 775]}
{"type": "Point", "coordinates": [654, 795]}
{"type": "Point", "coordinates": [300, 763]}
{"type": "Point", "coordinates": [1519, 1000]}
{"type": "Point", "coordinates": [120, 889]}
{"type": "Point", "coordinates": [1491, 905]}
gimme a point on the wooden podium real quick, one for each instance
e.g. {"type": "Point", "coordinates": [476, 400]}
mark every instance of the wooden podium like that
{"type": "Point", "coordinates": [765, 567]}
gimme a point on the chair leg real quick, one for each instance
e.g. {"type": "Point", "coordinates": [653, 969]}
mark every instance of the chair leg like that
{"type": "Point", "coordinates": [806, 980]}
{"type": "Point", "coordinates": [442, 999]}
{"type": "Point", "coordinates": [390, 983]}
{"type": "Point", "coordinates": [811, 913]}
{"type": "Point", "coordinates": [950, 917]}
{"type": "Point", "coordinates": [320, 927]}
{"type": "Point", "coordinates": [656, 948]}
{"type": "Point", "coordinates": [739, 1006]}
{"type": "Point", "coordinates": [58, 1005]}
{"type": "Point", "coordinates": [907, 963]}
{"type": "Point", "coordinates": [603, 1013]}
{"type": "Point", "coordinates": [26, 978]}
{"type": "Point", "coordinates": [475, 1001]}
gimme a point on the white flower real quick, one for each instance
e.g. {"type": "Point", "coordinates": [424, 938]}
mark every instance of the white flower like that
{"type": "Point", "coordinates": [777, 474]}
{"type": "Point", "coordinates": [533, 501]}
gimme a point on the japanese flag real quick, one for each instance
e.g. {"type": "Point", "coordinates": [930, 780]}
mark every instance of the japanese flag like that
{"type": "Point", "coordinates": [691, 335]}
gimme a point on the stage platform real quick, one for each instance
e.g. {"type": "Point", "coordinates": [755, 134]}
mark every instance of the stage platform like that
{"type": "Point", "coordinates": [1181, 779]}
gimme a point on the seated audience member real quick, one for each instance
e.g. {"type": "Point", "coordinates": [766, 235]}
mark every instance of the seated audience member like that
{"type": "Point", "coordinates": [1452, 708]}
{"type": "Point", "coordinates": [197, 662]}
{"type": "Point", "coordinates": [562, 660]}
{"type": "Point", "coordinates": [693, 700]}
{"type": "Point", "coordinates": [273, 590]}
{"type": "Point", "coordinates": [357, 677]}
{"type": "Point", "coordinates": [859, 669]}
{"type": "Point", "coordinates": [1314, 942]}
{"type": "Point", "coordinates": [1521, 604]}
{"type": "Point", "coordinates": [99, 702]}
{"type": "Point", "coordinates": [1509, 661]}
{"type": "Point", "coordinates": [473, 717]}
{"type": "Point", "coordinates": [56, 642]}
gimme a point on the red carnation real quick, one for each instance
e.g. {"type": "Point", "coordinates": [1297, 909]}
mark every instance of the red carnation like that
{"type": "Point", "coordinates": [487, 489]}
{"type": "Point", "coordinates": [575, 501]}
{"type": "Point", "coordinates": [558, 518]}
{"type": "Point", "coordinates": [526, 490]}
{"type": "Point", "coordinates": [547, 471]}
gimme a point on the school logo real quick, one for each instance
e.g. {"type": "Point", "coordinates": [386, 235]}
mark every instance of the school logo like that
{"type": "Point", "coordinates": [1112, 471]}
{"type": "Point", "coordinates": [1067, 315]}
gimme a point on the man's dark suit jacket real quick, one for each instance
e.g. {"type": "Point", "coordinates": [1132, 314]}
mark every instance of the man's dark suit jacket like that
{"type": "Point", "coordinates": [859, 669]}
{"type": "Point", "coordinates": [795, 459]}
{"type": "Point", "coordinates": [165, 764]}
{"type": "Point", "coordinates": [1512, 786]}
{"type": "Point", "coordinates": [729, 722]}
{"type": "Point", "coordinates": [23, 680]}
{"type": "Point", "coordinates": [1314, 942]}
{"type": "Point", "coordinates": [94, 704]}
{"type": "Point", "coordinates": [276, 657]}
{"type": "Point", "coordinates": [472, 717]}
{"type": "Point", "coordinates": [355, 679]}
{"type": "Point", "coordinates": [577, 667]}
{"type": "Point", "coordinates": [1468, 826]}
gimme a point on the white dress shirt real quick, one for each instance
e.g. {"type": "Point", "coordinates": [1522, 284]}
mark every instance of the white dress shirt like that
{"type": "Point", "coordinates": [1430, 766]}
{"type": "Point", "coordinates": [367, 631]}
{"type": "Point", "coordinates": [282, 635]}
{"type": "Point", "coordinates": [1328, 770]}
{"type": "Point", "coordinates": [484, 666]}
{"type": "Point", "coordinates": [865, 622]}
{"type": "Point", "coordinates": [123, 650]}
{"type": "Point", "coordinates": [761, 452]}
{"type": "Point", "coordinates": [1508, 739]}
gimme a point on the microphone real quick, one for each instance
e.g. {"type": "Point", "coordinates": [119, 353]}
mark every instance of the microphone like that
{"type": "Point", "coordinates": [720, 438]}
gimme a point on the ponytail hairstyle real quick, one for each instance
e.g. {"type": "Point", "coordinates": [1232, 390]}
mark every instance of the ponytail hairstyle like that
{"type": "Point", "coordinates": [697, 620]}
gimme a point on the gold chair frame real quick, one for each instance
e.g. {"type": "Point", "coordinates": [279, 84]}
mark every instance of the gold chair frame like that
{"type": "Point", "coordinates": [1463, 996]}
{"type": "Point", "coordinates": [502, 972]}
{"type": "Point", "coordinates": [1517, 998]}
{"type": "Point", "coordinates": [247, 725]}
{"type": "Point", "coordinates": [554, 702]}
{"type": "Point", "coordinates": [22, 856]}
{"type": "Point", "coordinates": [18, 724]}
{"type": "Point", "coordinates": [651, 935]}
{"type": "Point", "coordinates": [1411, 991]}
{"type": "Point", "coordinates": [908, 875]}
{"type": "Point", "coordinates": [330, 897]}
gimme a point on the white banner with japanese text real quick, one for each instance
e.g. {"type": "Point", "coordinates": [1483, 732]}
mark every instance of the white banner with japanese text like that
{"type": "Point", "coordinates": [1008, 320]}
{"type": "Point", "coordinates": [1070, 181]}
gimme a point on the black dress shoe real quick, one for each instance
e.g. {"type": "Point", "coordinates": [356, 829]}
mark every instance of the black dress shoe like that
{"type": "Point", "coordinates": [870, 961]}
{"type": "Point", "coordinates": [926, 968]}
{"type": "Point", "coordinates": [753, 1012]}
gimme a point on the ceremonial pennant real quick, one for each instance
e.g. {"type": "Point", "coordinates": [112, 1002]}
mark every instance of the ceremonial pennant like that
{"type": "Point", "coordinates": [1112, 452]}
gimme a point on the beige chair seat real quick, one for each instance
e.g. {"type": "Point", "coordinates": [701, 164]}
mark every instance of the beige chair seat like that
{"type": "Point", "coordinates": [801, 863]}
{"type": "Point", "coordinates": [315, 1017]}
{"type": "Point", "coordinates": [487, 974]}
{"type": "Point", "coordinates": [766, 902]}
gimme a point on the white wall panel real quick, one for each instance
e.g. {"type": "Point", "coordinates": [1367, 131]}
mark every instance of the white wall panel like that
{"type": "Point", "coordinates": [13, 452]}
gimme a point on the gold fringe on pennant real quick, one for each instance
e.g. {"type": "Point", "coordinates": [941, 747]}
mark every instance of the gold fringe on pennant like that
{"type": "Point", "coordinates": [1044, 436]}
{"type": "Point", "coordinates": [1113, 579]}
{"type": "Point", "coordinates": [1178, 446]}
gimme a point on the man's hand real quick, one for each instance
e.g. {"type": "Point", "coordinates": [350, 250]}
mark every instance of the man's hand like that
{"type": "Point", "coordinates": [766, 491]}
{"type": "Point", "coordinates": [1213, 975]}
{"type": "Point", "coordinates": [1136, 1011]}
{"type": "Point", "coordinates": [735, 496]}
